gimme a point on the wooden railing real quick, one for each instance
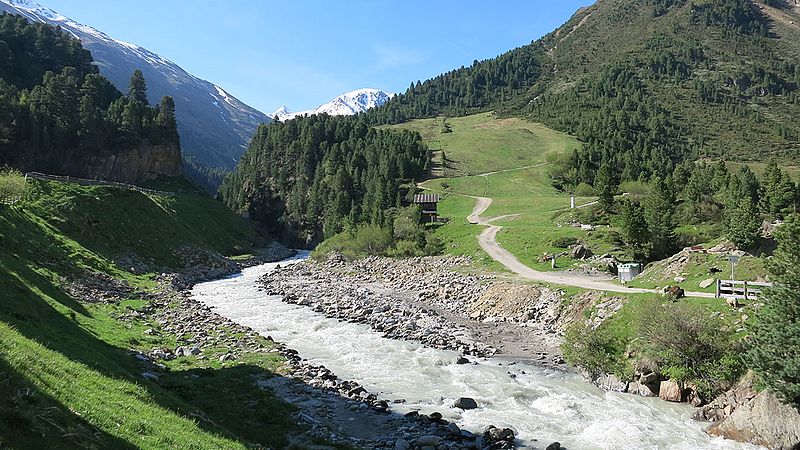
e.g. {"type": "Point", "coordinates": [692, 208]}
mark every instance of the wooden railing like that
{"type": "Point", "coordinates": [746, 290]}
{"type": "Point", "coordinates": [10, 200]}
{"type": "Point", "coordinates": [88, 182]}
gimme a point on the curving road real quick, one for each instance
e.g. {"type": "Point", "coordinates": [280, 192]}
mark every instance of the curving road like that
{"type": "Point", "coordinates": [488, 242]}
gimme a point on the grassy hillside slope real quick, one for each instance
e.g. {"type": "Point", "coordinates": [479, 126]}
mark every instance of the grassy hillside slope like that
{"type": "Point", "coordinates": [67, 376]}
{"type": "Point", "coordinates": [517, 150]}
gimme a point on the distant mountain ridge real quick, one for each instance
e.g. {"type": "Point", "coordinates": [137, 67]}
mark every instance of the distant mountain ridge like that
{"type": "Point", "coordinates": [214, 126]}
{"type": "Point", "coordinates": [347, 104]}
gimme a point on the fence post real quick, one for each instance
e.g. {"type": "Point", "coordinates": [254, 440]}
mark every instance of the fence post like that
{"type": "Point", "coordinates": [719, 285]}
{"type": "Point", "coordinates": [745, 290]}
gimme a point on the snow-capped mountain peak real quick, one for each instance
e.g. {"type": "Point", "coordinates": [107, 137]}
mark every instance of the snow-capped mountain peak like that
{"type": "Point", "coordinates": [349, 103]}
{"type": "Point", "coordinates": [281, 113]}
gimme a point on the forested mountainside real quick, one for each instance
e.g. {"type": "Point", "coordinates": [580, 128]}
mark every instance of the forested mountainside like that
{"type": "Point", "coordinates": [645, 84]}
{"type": "Point", "coordinates": [59, 115]}
{"type": "Point", "coordinates": [315, 175]}
{"type": "Point", "coordinates": [215, 126]}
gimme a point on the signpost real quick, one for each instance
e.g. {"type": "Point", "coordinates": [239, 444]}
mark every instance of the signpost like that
{"type": "Point", "coordinates": [734, 260]}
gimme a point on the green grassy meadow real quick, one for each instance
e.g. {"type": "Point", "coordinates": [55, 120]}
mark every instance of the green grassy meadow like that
{"type": "Point", "coordinates": [482, 143]}
{"type": "Point", "coordinates": [67, 377]}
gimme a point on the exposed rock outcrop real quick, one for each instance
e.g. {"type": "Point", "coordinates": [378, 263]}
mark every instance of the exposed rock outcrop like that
{"type": "Point", "coordinates": [745, 415]}
{"type": "Point", "coordinates": [141, 163]}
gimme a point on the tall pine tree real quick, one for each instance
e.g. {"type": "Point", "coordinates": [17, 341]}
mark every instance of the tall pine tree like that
{"type": "Point", "coordinates": [775, 346]}
{"type": "Point", "coordinates": [137, 89]}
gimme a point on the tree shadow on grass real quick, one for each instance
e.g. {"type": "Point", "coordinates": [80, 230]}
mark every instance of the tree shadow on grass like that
{"type": "Point", "coordinates": [31, 419]}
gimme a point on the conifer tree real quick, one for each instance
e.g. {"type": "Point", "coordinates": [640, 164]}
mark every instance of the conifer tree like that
{"type": "Point", "coordinates": [659, 212]}
{"type": "Point", "coordinates": [774, 351]}
{"type": "Point", "coordinates": [743, 223]}
{"type": "Point", "coordinates": [137, 89]}
{"type": "Point", "coordinates": [606, 186]}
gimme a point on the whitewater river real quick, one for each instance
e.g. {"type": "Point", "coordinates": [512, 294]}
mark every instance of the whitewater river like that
{"type": "Point", "coordinates": [536, 403]}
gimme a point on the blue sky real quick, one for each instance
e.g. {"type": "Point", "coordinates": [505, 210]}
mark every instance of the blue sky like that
{"type": "Point", "coordinates": [302, 53]}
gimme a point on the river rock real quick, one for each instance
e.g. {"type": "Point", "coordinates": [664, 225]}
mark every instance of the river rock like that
{"type": "Point", "coordinates": [465, 403]}
{"type": "Point", "coordinates": [401, 444]}
{"type": "Point", "coordinates": [462, 360]}
{"type": "Point", "coordinates": [554, 446]}
{"type": "Point", "coordinates": [670, 391]}
{"type": "Point", "coordinates": [644, 390]}
{"type": "Point", "coordinates": [745, 415]}
{"type": "Point", "coordinates": [498, 438]}
{"type": "Point", "coordinates": [429, 440]}
{"type": "Point", "coordinates": [610, 382]}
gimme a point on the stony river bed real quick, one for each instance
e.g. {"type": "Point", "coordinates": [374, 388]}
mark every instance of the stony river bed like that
{"type": "Point", "coordinates": [541, 405]}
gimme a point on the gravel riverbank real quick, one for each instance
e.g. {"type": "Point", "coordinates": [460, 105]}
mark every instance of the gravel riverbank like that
{"type": "Point", "coordinates": [429, 300]}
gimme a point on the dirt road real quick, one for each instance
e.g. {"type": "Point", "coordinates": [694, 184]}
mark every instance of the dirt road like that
{"type": "Point", "coordinates": [488, 242]}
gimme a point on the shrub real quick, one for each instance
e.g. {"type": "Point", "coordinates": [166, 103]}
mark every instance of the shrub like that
{"type": "Point", "coordinates": [12, 185]}
{"type": "Point", "coordinates": [365, 240]}
{"type": "Point", "coordinates": [591, 350]}
{"type": "Point", "coordinates": [584, 190]}
{"type": "Point", "coordinates": [634, 188]}
{"type": "Point", "coordinates": [564, 241]}
{"type": "Point", "coordinates": [689, 345]}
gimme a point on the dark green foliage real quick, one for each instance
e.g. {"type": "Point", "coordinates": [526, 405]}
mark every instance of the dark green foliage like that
{"type": "Point", "coordinates": [137, 89]}
{"type": "Point", "coordinates": [29, 50]}
{"type": "Point", "coordinates": [484, 85]}
{"type": "Point", "coordinates": [777, 190]}
{"type": "Point", "coordinates": [659, 210]}
{"type": "Point", "coordinates": [56, 111]}
{"type": "Point", "coordinates": [644, 94]}
{"type": "Point", "coordinates": [744, 223]}
{"type": "Point", "coordinates": [207, 177]}
{"type": "Point", "coordinates": [738, 15]}
{"type": "Point", "coordinates": [605, 185]}
{"type": "Point", "coordinates": [775, 346]}
{"type": "Point", "coordinates": [324, 174]}
{"type": "Point", "coordinates": [634, 225]}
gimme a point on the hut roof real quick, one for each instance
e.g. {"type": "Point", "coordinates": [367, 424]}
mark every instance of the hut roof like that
{"type": "Point", "coordinates": [426, 198]}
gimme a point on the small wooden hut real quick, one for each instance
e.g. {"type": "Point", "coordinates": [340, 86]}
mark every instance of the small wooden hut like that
{"type": "Point", "coordinates": [429, 205]}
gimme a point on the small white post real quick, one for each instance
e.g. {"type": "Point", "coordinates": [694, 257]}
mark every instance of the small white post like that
{"type": "Point", "coordinates": [572, 201]}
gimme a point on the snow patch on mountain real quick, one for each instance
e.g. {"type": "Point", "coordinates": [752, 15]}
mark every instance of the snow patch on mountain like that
{"type": "Point", "coordinates": [347, 104]}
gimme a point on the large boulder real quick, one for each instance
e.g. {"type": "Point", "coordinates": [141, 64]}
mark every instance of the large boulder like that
{"type": "Point", "coordinates": [465, 403]}
{"type": "Point", "coordinates": [495, 437]}
{"type": "Point", "coordinates": [611, 383]}
{"type": "Point", "coordinates": [580, 251]}
{"type": "Point", "coordinates": [745, 415]}
{"type": "Point", "coordinates": [670, 391]}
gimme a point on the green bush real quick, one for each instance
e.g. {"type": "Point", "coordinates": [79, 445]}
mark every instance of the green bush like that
{"type": "Point", "coordinates": [593, 350]}
{"type": "Point", "coordinates": [365, 240]}
{"type": "Point", "coordinates": [689, 345]}
{"type": "Point", "coordinates": [635, 188]}
{"type": "Point", "coordinates": [564, 241]}
{"type": "Point", "coordinates": [12, 185]}
{"type": "Point", "coordinates": [584, 190]}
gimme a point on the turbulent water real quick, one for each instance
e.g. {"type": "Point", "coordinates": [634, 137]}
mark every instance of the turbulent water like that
{"type": "Point", "coordinates": [536, 403]}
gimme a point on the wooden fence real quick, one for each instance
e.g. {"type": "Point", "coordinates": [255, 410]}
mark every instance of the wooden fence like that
{"type": "Point", "coordinates": [746, 290]}
{"type": "Point", "coordinates": [10, 200]}
{"type": "Point", "coordinates": [88, 182]}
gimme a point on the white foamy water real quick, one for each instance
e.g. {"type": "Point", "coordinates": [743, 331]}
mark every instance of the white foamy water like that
{"type": "Point", "coordinates": [536, 403]}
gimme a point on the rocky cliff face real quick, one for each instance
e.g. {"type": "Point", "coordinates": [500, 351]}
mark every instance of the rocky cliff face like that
{"type": "Point", "coordinates": [141, 163]}
{"type": "Point", "coordinates": [137, 163]}
{"type": "Point", "coordinates": [745, 415]}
